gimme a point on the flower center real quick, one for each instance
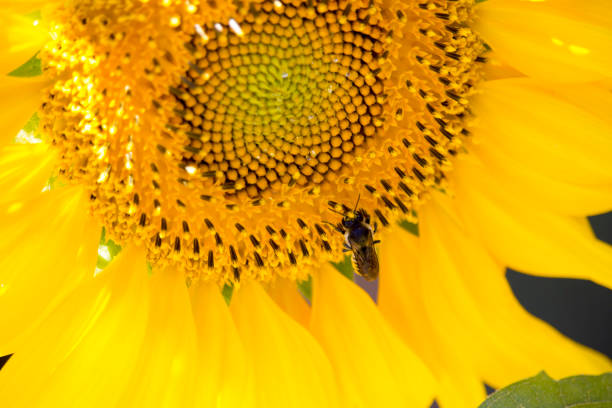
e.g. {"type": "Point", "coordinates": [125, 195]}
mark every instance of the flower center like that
{"type": "Point", "coordinates": [281, 96]}
{"type": "Point", "coordinates": [219, 138]}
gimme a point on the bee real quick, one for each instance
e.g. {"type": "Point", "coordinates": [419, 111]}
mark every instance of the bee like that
{"type": "Point", "coordinates": [359, 239]}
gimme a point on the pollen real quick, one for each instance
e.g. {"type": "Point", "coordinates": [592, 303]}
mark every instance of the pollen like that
{"type": "Point", "coordinates": [218, 136]}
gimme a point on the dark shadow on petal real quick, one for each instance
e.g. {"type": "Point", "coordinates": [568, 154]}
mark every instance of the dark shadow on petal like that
{"type": "Point", "coordinates": [4, 359]}
{"type": "Point", "coordinates": [371, 287]}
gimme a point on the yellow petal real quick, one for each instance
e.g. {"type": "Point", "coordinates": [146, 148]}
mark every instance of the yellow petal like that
{"type": "Point", "coordinates": [289, 366]}
{"type": "Point", "coordinates": [223, 368]}
{"type": "Point", "coordinates": [21, 37]}
{"type": "Point", "coordinates": [85, 351]}
{"type": "Point", "coordinates": [523, 236]}
{"type": "Point", "coordinates": [474, 304]}
{"type": "Point", "coordinates": [596, 11]}
{"type": "Point", "coordinates": [537, 130]}
{"type": "Point", "coordinates": [165, 371]}
{"type": "Point", "coordinates": [402, 302]}
{"type": "Point", "coordinates": [15, 111]}
{"type": "Point", "coordinates": [546, 42]}
{"type": "Point", "coordinates": [286, 295]}
{"type": "Point", "coordinates": [594, 98]}
{"type": "Point", "coordinates": [25, 170]}
{"type": "Point", "coordinates": [49, 245]}
{"type": "Point", "coordinates": [549, 194]}
{"type": "Point", "coordinates": [24, 6]}
{"type": "Point", "coordinates": [497, 68]}
{"type": "Point", "coordinates": [373, 366]}
{"type": "Point", "coordinates": [585, 225]}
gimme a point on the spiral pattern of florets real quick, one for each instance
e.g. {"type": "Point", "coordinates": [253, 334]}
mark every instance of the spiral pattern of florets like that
{"type": "Point", "coordinates": [220, 136]}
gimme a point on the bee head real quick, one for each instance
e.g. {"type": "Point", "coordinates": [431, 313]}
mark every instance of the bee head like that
{"type": "Point", "coordinates": [352, 219]}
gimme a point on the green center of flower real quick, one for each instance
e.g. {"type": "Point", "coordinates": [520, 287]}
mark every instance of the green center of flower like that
{"type": "Point", "coordinates": [283, 95]}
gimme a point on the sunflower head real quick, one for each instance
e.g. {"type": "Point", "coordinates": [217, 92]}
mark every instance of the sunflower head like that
{"type": "Point", "coordinates": [220, 136]}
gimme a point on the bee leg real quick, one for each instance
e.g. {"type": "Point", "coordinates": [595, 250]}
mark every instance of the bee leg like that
{"type": "Point", "coordinates": [338, 227]}
{"type": "Point", "coordinates": [377, 242]}
{"type": "Point", "coordinates": [347, 248]}
{"type": "Point", "coordinates": [365, 215]}
{"type": "Point", "coordinates": [375, 228]}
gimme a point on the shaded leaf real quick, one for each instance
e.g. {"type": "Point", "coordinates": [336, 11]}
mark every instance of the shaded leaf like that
{"type": "Point", "coordinates": [345, 267]}
{"type": "Point", "coordinates": [541, 391]}
{"type": "Point", "coordinates": [32, 125]}
{"type": "Point", "coordinates": [305, 288]}
{"type": "Point", "coordinates": [107, 250]}
{"type": "Point", "coordinates": [31, 68]}
{"type": "Point", "coordinates": [227, 292]}
{"type": "Point", "coordinates": [410, 227]}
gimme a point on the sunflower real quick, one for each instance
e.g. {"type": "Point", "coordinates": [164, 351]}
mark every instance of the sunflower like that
{"type": "Point", "coordinates": [216, 142]}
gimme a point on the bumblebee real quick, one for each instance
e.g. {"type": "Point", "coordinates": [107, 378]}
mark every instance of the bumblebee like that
{"type": "Point", "coordinates": [359, 239]}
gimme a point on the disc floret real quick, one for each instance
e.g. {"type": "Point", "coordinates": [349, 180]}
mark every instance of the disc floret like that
{"type": "Point", "coordinates": [219, 137]}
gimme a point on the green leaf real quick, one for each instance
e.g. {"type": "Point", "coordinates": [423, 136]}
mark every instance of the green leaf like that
{"type": "Point", "coordinates": [227, 292]}
{"type": "Point", "coordinates": [541, 391]}
{"type": "Point", "coordinates": [345, 267]}
{"type": "Point", "coordinates": [305, 288]}
{"type": "Point", "coordinates": [30, 133]}
{"type": "Point", "coordinates": [32, 68]}
{"type": "Point", "coordinates": [34, 15]}
{"type": "Point", "coordinates": [107, 250]}
{"type": "Point", "coordinates": [32, 125]}
{"type": "Point", "coordinates": [410, 227]}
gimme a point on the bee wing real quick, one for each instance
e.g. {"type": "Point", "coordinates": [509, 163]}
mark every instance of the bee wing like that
{"type": "Point", "coordinates": [365, 261]}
